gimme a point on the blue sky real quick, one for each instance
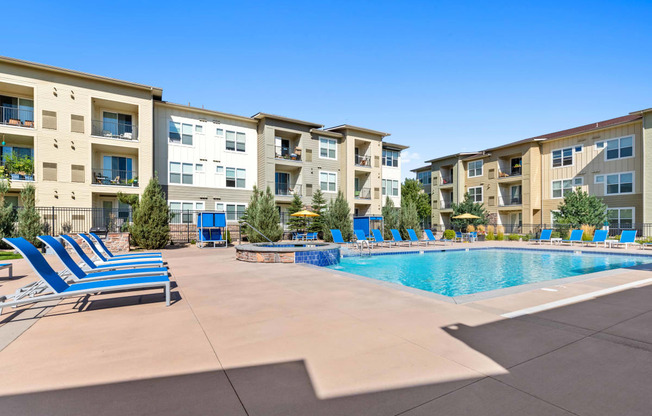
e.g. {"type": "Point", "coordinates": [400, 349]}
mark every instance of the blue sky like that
{"type": "Point", "coordinates": [441, 76]}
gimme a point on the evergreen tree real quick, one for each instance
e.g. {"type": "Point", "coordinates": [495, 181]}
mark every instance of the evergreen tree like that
{"type": "Point", "coordinates": [579, 208]}
{"type": "Point", "coordinates": [251, 211]}
{"type": "Point", "coordinates": [296, 223]}
{"type": "Point", "coordinates": [151, 220]}
{"type": "Point", "coordinates": [29, 220]}
{"type": "Point", "coordinates": [412, 190]}
{"type": "Point", "coordinates": [265, 218]}
{"type": "Point", "coordinates": [8, 213]}
{"type": "Point", "coordinates": [470, 207]}
{"type": "Point", "coordinates": [391, 218]}
{"type": "Point", "coordinates": [318, 207]}
{"type": "Point", "coordinates": [409, 218]}
{"type": "Point", "coordinates": [338, 216]}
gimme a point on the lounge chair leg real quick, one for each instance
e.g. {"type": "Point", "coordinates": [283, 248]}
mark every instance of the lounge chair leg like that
{"type": "Point", "coordinates": [167, 294]}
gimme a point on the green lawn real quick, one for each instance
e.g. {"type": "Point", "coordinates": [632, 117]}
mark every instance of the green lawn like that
{"type": "Point", "coordinates": [9, 255]}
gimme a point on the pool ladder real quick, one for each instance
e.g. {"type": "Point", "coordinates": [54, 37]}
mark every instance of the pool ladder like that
{"type": "Point", "coordinates": [361, 246]}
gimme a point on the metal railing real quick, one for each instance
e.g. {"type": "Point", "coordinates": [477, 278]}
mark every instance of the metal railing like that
{"type": "Point", "coordinates": [363, 193]}
{"type": "Point", "coordinates": [287, 190]}
{"type": "Point", "coordinates": [114, 129]}
{"type": "Point", "coordinates": [240, 223]}
{"type": "Point", "coordinates": [115, 177]}
{"type": "Point", "coordinates": [445, 205]}
{"type": "Point", "coordinates": [287, 153]}
{"type": "Point", "coordinates": [362, 160]}
{"type": "Point", "coordinates": [16, 116]}
{"type": "Point", "coordinates": [446, 180]}
{"type": "Point", "coordinates": [72, 220]}
{"type": "Point", "coordinates": [511, 201]}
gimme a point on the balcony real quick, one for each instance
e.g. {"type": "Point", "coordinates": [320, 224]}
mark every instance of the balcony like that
{"type": "Point", "coordinates": [17, 116]}
{"type": "Point", "coordinates": [513, 201]}
{"type": "Point", "coordinates": [363, 193]}
{"type": "Point", "coordinates": [446, 180]}
{"type": "Point", "coordinates": [115, 177]}
{"type": "Point", "coordinates": [364, 161]}
{"type": "Point", "coordinates": [281, 190]}
{"type": "Point", "coordinates": [288, 153]}
{"type": "Point", "coordinates": [114, 130]}
{"type": "Point", "coordinates": [446, 205]}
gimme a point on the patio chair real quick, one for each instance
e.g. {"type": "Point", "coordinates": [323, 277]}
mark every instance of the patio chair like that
{"type": "Point", "coordinates": [108, 253]}
{"type": "Point", "coordinates": [459, 236]}
{"type": "Point", "coordinates": [575, 237]}
{"type": "Point", "coordinates": [413, 237]}
{"type": "Point", "coordinates": [398, 239]}
{"type": "Point", "coordinates": [104, 259]}
{"type": "Point", "coordinates": [59, 289]}
{"type": "Point", "coordinates": [431, 238]}
{"type": "Point", "coordinates": [600, 236]}
{"type": "Point", "coordinates": [311, 236]}
{"type": "Point", "coordinates": [337, 237]}
{"type": "Point", "coordinates": [78, 275]}
{"type": "Point", "coordinates": [627, 237]}
{"type": "Point", "coordinates": [546, 235]}
{"type": "Point", "coordinates": [379, 240]}
{"type": "Point", "coordinates": [89, 265]}
{"type": "Point", "coordinates": [362, 239]}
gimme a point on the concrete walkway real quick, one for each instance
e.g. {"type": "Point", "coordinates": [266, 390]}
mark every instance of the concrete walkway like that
{"type": "Point", "coordinates": [276, 339]}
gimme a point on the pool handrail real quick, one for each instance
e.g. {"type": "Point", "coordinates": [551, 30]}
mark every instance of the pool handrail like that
{"type": "Point", "coordinates": [546, 235]}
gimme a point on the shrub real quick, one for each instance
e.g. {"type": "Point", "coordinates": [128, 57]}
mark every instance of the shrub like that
{"type": "Point", "coordinates": [481, 229]}
{"type": "Point", "coordinates": [29, 220]}
{"type": "Point", "coordinates": [151, 227]}
{"type": "Point", "coordinates": [588, 232]}
{"type": "Point", "coordinates": [491, 229]}
{"type": "Point", "coordinates": [500, 233]}
{"type": "Point", "coordinates": [391, 218]}
{"type": "Point", "coordinates": [555, 234]}
{"type": "Point", "coordinates": [449, 235]}
{"type": "Point", "coordinates": [490, 236]}
{"type": "Point", "coordinates": [470, 228]}
{"type": "Point", "coordinates": [338, 216]}
{"type": "Point", "coordinates": [527, 237]}
{"type": "Point", "coordinates": [193, 241]}
{"type": "Point", "coordinates": [66, 227]}
{"type": "Point", "coordinates": [513, 237]}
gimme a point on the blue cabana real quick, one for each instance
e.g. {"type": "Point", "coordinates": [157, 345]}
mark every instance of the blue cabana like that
{"type": "Point", "coordinates": [211, 228]}
{"type": "Point", "coordinates": [368, 223]}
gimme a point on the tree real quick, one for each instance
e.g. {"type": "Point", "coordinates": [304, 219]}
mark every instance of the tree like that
{"type": "Point", "coordinates": [151, 220]}
{"type": "Point", "coordinates": [468, 206]}
{"type": "Point", "coordinates": [262, 214]}
{"type": "Point", "coordinates": [338, 216]}
{"type": "Point", "coordinates": [579, 208]}
{"type": "Point", "coordinates": [296, 223]}
{"type": "Point", "coordinates": [409, 218]}
{"type": "Point", "coordinates": [412, 190]}
{"type": "Point", "coordinates": [318, 207]}
{"type": "Point", "coordinates": [391, 218]}
{"type": "Point", "coordinates": [29, 220]}
{"type": "Point", "coordinates": [8, 213]}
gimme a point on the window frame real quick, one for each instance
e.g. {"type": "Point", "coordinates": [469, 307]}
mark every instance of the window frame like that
{"type": "Point", "coordinates": [237, 136]}
{"type": "Point", "coordinates": [329, 141]}
{"type": "Point", "coordinates": [395, 156]}
{"type": "Point", "coordinates": [468, 190]}
{"type": "Point", "coordinates": [561, 149]}
{"type": "Point", "coordinates": [328, 182]}
{"type": "Point", "coordinates": [236, 177]}
{"type": "Point", "coordinates": [605, 146]}
{"type": "Point", "coordinates": [552, 188]}
{"type": "Point", "coordinates": [180, 141]}
{"type": "Point", "coordinates": [475, 169]}
{"type": "Point", "coordinates": [619, 209]}
{"type": "Point", "coordinates": [606, 183]}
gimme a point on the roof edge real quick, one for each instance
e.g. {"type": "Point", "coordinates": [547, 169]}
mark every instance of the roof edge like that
{"type": "Point", "coordinates": [260, 116]}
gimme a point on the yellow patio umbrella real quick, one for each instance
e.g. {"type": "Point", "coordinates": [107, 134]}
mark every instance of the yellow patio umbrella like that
{"type": "Point", "coordinates": [305, 214]}
{"type": "Point", "coordinates": [466, 216]}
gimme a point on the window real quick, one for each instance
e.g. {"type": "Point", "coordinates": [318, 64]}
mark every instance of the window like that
{"type": "Point", "coordinates": [599, 179]}
{"type": "Point", "coordinates": [175, 172]}
{"type": "Point", "coordinates": [620, 217]}
{"type": "Point", "coordinates": [235, 141]}
{"type": "Point", "coordinates": [235, 178]}
{"type": "Point", "coordinates": [578, 181]}
{"type": "Point", "coordinates": [516, 195]}
{"type": "Point", "coordinates": [219, 207]}
{"type": "Point", "coordinates": [181, 212]}
{"type": "Point", "coordinates": [219, 169]}
{"type": "Point", "coordinates": [180, 133]}
{"type": "Point", "coordinates": [118, 170]}
{"type": "Point", "coordinates": [578, 149]}
{"type": "Point", "coordinates": [394, 187]}
{"type": "Point", "coordinates": [560, 187]}
{"type": "Point", "coordinates": [327, 148]}
{"type": "Point", "coordinates": [562, 157]}
{"type": "Point", "coordinates": [384, 187]}
{"type": "Point", "coordinates": [424, 177]}
{"type": "Point", "coordinates": [390, 158]}
{"type": "Point", "coordinates": [328, 181]}
{"type": "Point", "coordinates": [181, 173]}
{"type": "Point", "coordinates": [199, 206]}
{"type": "Point", "coordinates": [199, 167]}
{"type": "Point", "coordinates": [620, 183]}
{"type": "Point", "coordinates": [116, 125]}
{"type": "Point", "coordinates": [219, 132]}
{"type": "Point", "coordinates": [475, 193]}
{"type": "Point", "coordinates": [282, 183]}
{"type": "Point", "coordinates": [199, 129]}
{"type": "Point", "coordinates": [620, 148]}
{"type": "Point", "coordinates": [475, 168]}
{"type": "Point", "coordinates": [234, 212]}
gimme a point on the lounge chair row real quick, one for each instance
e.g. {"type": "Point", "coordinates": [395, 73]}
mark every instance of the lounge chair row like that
{"type": "Point", "coordinates": [599, 237]}
{"type": "Point", "coordinates": [105, 272]}
{"type": "Point", "coordinates": [378, 239]}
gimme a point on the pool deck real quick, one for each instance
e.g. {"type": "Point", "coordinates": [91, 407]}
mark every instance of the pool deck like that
{"type": "Point", "coordinates": [284, 339]}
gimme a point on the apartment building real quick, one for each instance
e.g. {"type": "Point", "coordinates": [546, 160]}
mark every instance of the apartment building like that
{"type": "Point", "coordinates": [87, 136]}
{"type": "Point", "coordinates": [523, 182]}
{"type": "Point", "coordinates": [391, 172]}
{"type": "Point", "coordinates": [205, 160]}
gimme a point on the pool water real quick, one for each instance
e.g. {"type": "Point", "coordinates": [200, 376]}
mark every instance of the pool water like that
{"type": "Point", "coordinates": [461, 272]}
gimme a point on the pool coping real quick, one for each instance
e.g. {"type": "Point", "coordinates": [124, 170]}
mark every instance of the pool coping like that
{"type": "Point", "coordinates": [287, 247]}
{"type": "Point", "coordinates": [496, 293]}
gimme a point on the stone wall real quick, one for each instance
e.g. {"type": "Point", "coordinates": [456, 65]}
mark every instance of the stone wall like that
{"type": "Point", "coordinates": [253, 257]}
{"type": "Point", "coordinates": [116, 242]}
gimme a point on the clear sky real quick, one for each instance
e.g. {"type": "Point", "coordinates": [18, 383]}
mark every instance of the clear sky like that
{"type": "Point", "coordinates": [440, 76]}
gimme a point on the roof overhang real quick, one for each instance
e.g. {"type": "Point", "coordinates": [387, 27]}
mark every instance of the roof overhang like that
{"type": "Point", "coordinates": [261, 116]}
{"type": "Point", "coordinates": [344, 127]}
{"type": "Point", "coordinates": [422, 168]}
{"type": "Point", "coordinates": [453, 156]}
{"type": "Point", "coordinates": [326, 133]}
{"type": "Point", "coordinates": [395, 146]}
{"type": "Point", "coordinates": [205, 111]}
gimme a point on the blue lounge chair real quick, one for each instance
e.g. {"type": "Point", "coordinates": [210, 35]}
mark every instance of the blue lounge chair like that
{"type": "Point", "coordinates": [575, 237]}
{"type": "Point", "coordinates": [378, 238]}
{"type": "Point", "coordinates": [413, 237]}
{"type": "Point", "coordinates": [626, 238]}
{"type": "Point", "coordinates": [397, 237]}
{"type": "Point", "coordinates": [362, 239]}
{"type": "Point", "coordinates": [431, 238]}
{"type": "Point", "coordinates": [59, 289]}
{"type": "Point", "coordinates": [545, 236]}
{"type": "Point", "coordinates": [89, 265]}
{"type": "Point", "coordinates": [110, 255]}
{"type": "Point", "coordinates": [104, 259]}
{"type": "Point", "coordinates": [600, 236]}
{"type": "Point", "coordinates": [337, 237]}
{"type": "Point", "coordinates": [78, 274]}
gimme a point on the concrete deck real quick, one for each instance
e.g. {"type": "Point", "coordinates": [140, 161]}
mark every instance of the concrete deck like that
{"type": "Point", "coordinates": [279, 339]}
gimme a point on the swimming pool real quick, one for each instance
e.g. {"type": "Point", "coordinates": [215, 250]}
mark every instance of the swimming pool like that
{"type": "Point", "coordinates": [465, 272]}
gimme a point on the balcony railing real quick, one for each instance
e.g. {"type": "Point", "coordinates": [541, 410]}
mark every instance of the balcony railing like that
{"type": "Point", "coordinates": [287, 153]}
{"type": "Point", "coordinates": [363, 193]}
{"type": "Point", "coordinates": [15, 116]}
{"type": "Point", "coordinates": [287, 190]}
{"type": "Point", "coordinates": [512, 201]}
{"type": "Point", "coordinates": [361, 160]}
{"type": "Point", "coordinates": [115, 177]}
{"type": "Point", "coordinates": [446, 205]}
{"type": "Point", "coordinates": [114, 130]}
{"type": "Point", "coordinates": [446, 180]}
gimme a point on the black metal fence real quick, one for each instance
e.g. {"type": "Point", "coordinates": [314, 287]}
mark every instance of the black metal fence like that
{"type": "Point", "coordinates": [64, 220]}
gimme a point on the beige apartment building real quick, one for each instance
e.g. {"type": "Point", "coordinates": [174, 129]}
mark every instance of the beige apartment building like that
{"type": "Point", "coordinates": [523, 182]}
